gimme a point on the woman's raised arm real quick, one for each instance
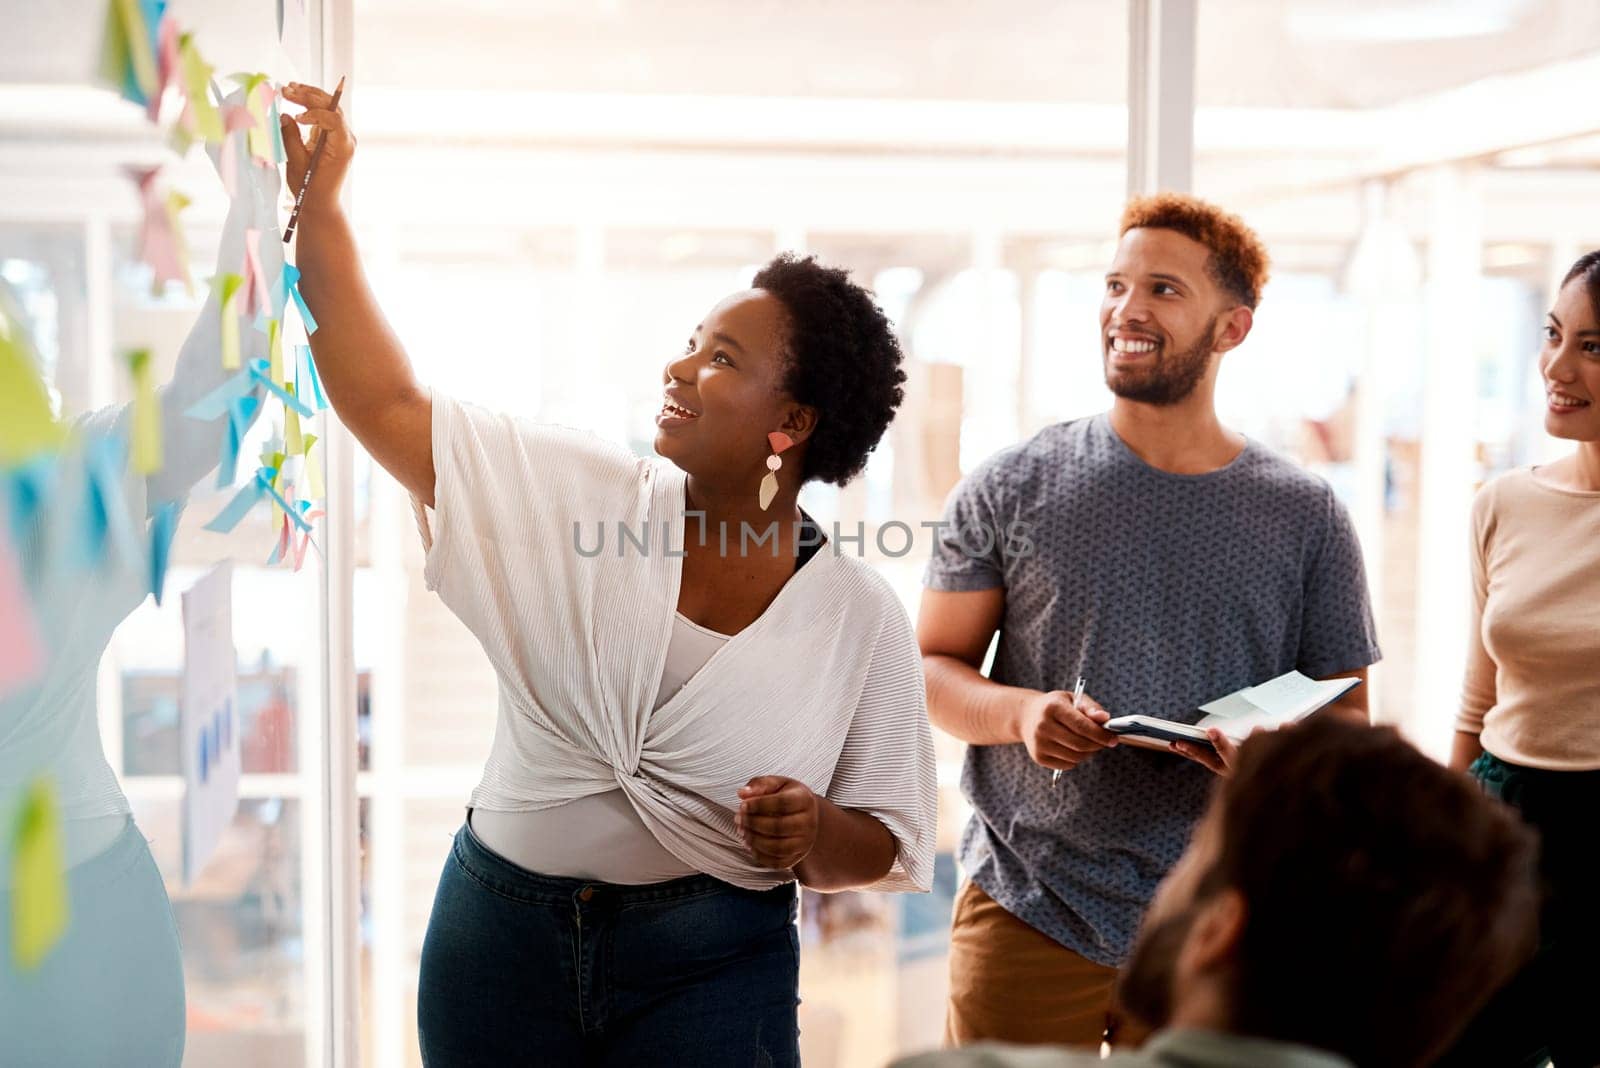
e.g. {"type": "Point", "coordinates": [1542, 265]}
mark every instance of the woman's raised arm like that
{"type": "Point", "coordinates": [368, 379]}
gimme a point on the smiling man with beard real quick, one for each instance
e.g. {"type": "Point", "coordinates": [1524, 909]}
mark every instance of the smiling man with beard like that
{"type": "Point", "coordinates": [1173, 561]}
{"type": "Point", "coordinates": [1344, 901]}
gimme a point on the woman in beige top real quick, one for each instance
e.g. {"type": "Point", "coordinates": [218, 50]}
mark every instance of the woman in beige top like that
{"type": "Point", "coordinates": [1529, 729]}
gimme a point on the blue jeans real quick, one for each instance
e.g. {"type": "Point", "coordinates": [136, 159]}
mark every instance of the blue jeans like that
{"type": "Point", "coordinates": [521, 969]}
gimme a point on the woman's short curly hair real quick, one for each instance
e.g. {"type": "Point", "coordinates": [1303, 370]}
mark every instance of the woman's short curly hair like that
{"type": "Point", "coordinates": [1238, 261]}
{"type": "Point", "coordinates": [843, 360]}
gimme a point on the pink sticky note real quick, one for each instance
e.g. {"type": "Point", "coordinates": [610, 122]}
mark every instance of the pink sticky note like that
{"type": "Point", "coordinates": [236, 117]}
{"type": "Point", "coordinates": [256, 295]}
{"type": "Point", "coordinates": [166, 65]}
{"type": "Point", "coordinates": [158, 243]}
{"type": "Point", "coordinates": [21, 648]}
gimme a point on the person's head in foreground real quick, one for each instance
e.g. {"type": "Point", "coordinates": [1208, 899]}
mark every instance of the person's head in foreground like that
{"type": "Point", "coordinates": [1569, 360]}
{"type": "Point", "coordinates": [1344, 892]}
{"type": "Point", "coordinates": [1181, 290]}
{"type": "Point", "coordinates": [804, 352]}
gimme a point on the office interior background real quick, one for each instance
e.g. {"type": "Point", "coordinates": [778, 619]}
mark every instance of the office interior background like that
{"type": "Point", "coordinates": [549, 193]}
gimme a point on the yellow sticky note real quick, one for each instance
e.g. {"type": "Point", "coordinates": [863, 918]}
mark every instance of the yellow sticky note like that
{"type": "Point", "coordinates": [127, 61]}
{"type": "Point", "coordinates": [39, 880]}
{"type": "Point", "coordinates": [228, 308]}
{"type": "Point", "coordinates": [313, 471]}
{"type": "Point", "coordinates": [146, 415]}
{"type": "Point", "coordinates": [196, 82]}
{"type": "Point", "coordinates": [292, 444]}
{"type": "Point", "coordinates": [176, 202]}
{"type": "Point", "coordinates": [27, 425]}
{"type": "Point", "coordinates": [276, 463]}
{"type": "Point", "coordinates": [275, 351]}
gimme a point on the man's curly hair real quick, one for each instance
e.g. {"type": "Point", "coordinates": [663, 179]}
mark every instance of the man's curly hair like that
{"type": "Point", "coordinates": [843, 360]}
{"type": "Point", "coordinates": [1238, 261]}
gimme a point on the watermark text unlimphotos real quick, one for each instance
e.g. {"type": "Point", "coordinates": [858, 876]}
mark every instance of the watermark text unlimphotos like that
{"type": "Point", "coordinates": [893, 539]}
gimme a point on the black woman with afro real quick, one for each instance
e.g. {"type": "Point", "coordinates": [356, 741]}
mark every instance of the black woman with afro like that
{"type": "Point", "coordinates": [705, 701]}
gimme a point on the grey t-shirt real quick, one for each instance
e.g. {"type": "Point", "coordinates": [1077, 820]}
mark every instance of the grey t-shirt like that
{"type": "Point", "coordinates": [1163, 591]}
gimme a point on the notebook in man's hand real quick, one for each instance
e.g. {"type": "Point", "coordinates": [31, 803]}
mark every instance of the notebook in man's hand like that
{"type": "Point", "coordinates": [1278, 702]}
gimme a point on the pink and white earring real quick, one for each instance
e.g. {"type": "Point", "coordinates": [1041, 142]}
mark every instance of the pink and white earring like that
{"type": "Point", "coordinates": [769, 483]}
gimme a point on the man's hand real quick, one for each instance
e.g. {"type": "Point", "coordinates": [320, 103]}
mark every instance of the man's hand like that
{"type": "Point", "coordinates": [1221, 761]}
{"type": "Point", "coordinates": [778, 819]}
{"type": "Point", "coordinates": [1059, 734]}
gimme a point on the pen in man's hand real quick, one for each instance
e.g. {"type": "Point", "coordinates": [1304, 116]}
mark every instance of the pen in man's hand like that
{"type": "Point", "coordinates": [1077, 692]}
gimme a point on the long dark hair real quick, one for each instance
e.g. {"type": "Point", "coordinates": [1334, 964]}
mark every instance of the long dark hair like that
{"type": "Point", "coordinates": [1588, 269]}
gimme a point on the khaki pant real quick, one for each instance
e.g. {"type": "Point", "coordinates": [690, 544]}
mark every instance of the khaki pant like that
{"type": "Point", "coordinates": [1010, 983]}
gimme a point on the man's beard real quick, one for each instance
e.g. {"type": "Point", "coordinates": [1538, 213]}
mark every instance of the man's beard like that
{"type": "Point", "coordinates": [1144, 987]}
{"type": "Point", "coordinates": [1171, 379]}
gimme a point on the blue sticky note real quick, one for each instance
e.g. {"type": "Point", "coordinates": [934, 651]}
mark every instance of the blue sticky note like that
{"type": "Point", "coordinates": [261, 372]}
{"type": "Point", "coordinates": [28, 488]}
{"type": "Point", "coordinates": [153, 11]}
{"type": "Point", "coordinates": [240, 412]}
{"type": "Point", "coordinates": [291, 276]}
{"type": "Point", "coordinates": [290, 510]}
{"type": "Point", "coordinates": [214, 405]}
{"type": "Point", "coordinates": [248, 496]}
{"type": "Point", "coordinates": [105, 522]}
{"type": "Point", "coordinates": [278, 293]}
{"type": "Point", "coordinates": [307, 382]}
{"type": "Point", "coordinates": [203, 759]}
{"type": "Point", "coordinates": [278, 155]}
{"type": "Point", "coordinates": [162, 527]}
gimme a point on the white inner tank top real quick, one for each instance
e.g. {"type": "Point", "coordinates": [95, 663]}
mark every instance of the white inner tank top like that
{"type": "Point", "coordinates": [601, 837]}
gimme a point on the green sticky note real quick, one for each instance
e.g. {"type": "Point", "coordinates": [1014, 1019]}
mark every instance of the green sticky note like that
{"type": "Point", "coordinates": [38, 878]}
{"type": "Point", "coordinates": [27, 426]}
{"type": "Point", "coordinates": [146, 415]}
{"type": "Point", "coordinates": [275, 351]}
{"type": "Point", "coordinates": [292, 444]}
{"type": "Point", "coordinates": [313, 470]}
{"type": "Point", "coordinates": [227, 304]}
{"type": "Point", "coordinates": [196, 82]}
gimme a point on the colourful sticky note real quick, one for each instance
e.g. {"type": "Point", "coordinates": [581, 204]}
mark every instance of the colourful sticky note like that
{"type": "Point", "coordinates": [176, 202]}
{"type": "Point", "coordinates": [161, 243]}
{"type": "Point", "coordinates": [276, 126]}
{"type": "Point", "coordinates": [283, 550]}
{"type": "Point", "coordinates": [314, 487]}
{"type": "Point", "coordinates": [259, 96]}
{"type": "Point", "coordinates": [146, 415]}
{"type": "Point", "coordinates": [127, 59]}
{"type": "Point", "coordinates": [275, 352]}
{"type": "Point", "coordinates": [241, 411]}
{"type": "Point", "coordinates": [305, 539]}
{"type": "Point", "coordinates": [22, 654]}
{"type": "Point", "coordinates": [292, 442]}
{"type": "Point", "coordinates": [261, 371]}
{"type": "Point", "coordinates": [274, 460]}
{"type": "Point", "coordinates": [240, 505]}
{"type": "Point", "coordinates": [291, 278]}
{"type": "Point", "coordinates": [38, 878]}
{"type": "Point", "coordinates": [30, 485]}
{"type": "Point", "coordinates": [27, 424]}
{"type": "Point", "coordinates": [228, 308]}
{"type": "Point", "coordinates": [104, 516]}
{"type": "Point", "coordinates": [200, 114]}
{"type": "Point", "coordinates": [163, 525]}
{"type": "Point", "coordinates": [307, 382]}
{"type": "Point", "coordinates": [256, 296]}
{"type": "Point", "coordinates": [166, 63]}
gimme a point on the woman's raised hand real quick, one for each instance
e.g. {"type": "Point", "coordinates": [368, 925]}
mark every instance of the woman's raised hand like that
{"type": "Point", "coordinates": [339, 150]}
